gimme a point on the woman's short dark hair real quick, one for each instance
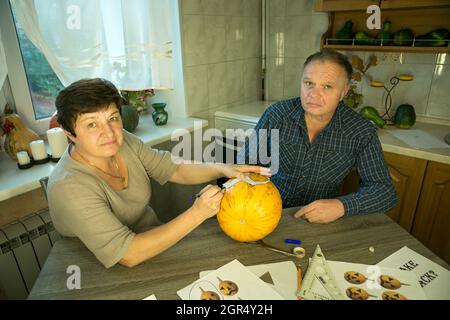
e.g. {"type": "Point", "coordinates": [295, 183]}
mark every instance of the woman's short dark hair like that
{"type": "Point", "coordinates": [85, 96]}
{"type": "Point", "coordinates": [333, 56]}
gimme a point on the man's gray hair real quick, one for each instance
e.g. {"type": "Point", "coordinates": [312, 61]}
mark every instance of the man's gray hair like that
{"type": "Point", "coordinates": [333, 56]}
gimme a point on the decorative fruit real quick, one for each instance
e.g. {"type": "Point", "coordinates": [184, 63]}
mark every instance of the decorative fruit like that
{"type": "Point", "coordinates": [406, 77]}
{"type": "Point", "coordinates": [54, 121]}
{"type": "Point", "coordinates": [18, 137]}
{"type": "Point", "coordinates": [376, 84]}
{"type": "Point", "coordinates": [405, 116]}
{"type": "Point", "coordinates": [372, 114]}
{"type": "Point", "coordinates": [385, 36]}
{"type": "Point", "coordinates": [249, 213]}
{"type": "Point", "coordinates": [345, 33]}
{"type": "Point", "coordinates": [436, 38]}
{"type": "Point", "coordinates": [403, 37]}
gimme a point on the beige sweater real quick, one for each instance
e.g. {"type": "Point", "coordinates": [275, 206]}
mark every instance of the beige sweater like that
{"type": "Point", "coordinates": [83, 205]}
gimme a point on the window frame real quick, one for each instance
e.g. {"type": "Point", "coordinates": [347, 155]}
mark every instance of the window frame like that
{"type": "Point", "coordinates": [20, 90]}
{"type": "Point", "coordinates": [16, 72]}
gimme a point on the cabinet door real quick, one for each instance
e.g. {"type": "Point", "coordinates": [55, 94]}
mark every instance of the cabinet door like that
{"type": "Point", "coordinates": [343, 5]}
{"type": "Point", "coordinates": [407, 175]}
{"type": "Point", "coordinates": [432, 221]}
{"type": "Point", "coordinates": [399, 4]}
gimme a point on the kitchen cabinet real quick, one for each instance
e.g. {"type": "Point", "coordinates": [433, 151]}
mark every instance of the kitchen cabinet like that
{"type": "Point", "coordinates": [432, 219]}
{"type": "Point", "coordinates": [420, 16]}
{"type": "Point", "coordinates": [407, 174]}
{"type": "Point", "coordinates": [423, 209]}
{"type": "Point", "coordinates": [348, 5]}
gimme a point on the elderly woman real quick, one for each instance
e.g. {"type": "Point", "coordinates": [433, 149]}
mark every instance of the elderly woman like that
{"type": "Point", "coordinates": [100, 189]}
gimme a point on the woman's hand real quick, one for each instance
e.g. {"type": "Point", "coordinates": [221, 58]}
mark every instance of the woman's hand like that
{"type": "Point", "coordinates": [240, 171]}
{"type": "Point", "coordinates": [208, 204]}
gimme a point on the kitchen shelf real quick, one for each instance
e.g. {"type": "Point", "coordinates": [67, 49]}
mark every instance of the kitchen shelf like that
{"type": "Point", "coordinates": [419, 20]}
{"type": "Point", "coordinates": [387, 48]}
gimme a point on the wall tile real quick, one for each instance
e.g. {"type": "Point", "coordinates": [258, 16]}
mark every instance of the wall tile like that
{"type": "Point", "coordinates": [252, 8]}
{"type": "Point", "coordinates": [252, 79]}
{"type": "Point", "coordinates": [438, 102]}
{"type": "Point", "coordinates": [420, 58]}
{"type": "Point", "coordinates": [235, 74]}
{"type": "Point", "coordinates": [277, 37]}
{"type": "Point", "coordinates": [215, 33]}
{"type": "Point", "coordinates": [299, 7]}
{"type": "Point", "coordinates": [298, 36]}
{"type": "Point", "coordinates": [293, 71]}
{"type": "Point", "coordinates": [235, 38]}
{"type": "Point", "coordinates": [217, 84]}
{"type": "Point", "coordinates": [443, 58]}
{"type": "Point", "coordinates": [214, 7]}
{"type": "Point", "coordinates": [252, 37]}
{"type": "Point", "coordinates": [372, 97]}
{"type": "Point", "coordinates": [275, 78]}
{"type": "Point", "coordinates": [319, 27]}
{"type": "Point", "coordinates": [196, 82]}
{"type": "Point", "coordinates": [194, 40]}
{"type": "Point", "coordinates": [191, 6]}
{"type": "Point", "coordinates": [414, 92]}
{"type": "Point", "coordinates": [234, 7]}
{"type": "Point", "coordinates": [277, 8]}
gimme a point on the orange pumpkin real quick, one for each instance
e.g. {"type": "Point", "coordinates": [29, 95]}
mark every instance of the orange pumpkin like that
{"type": "Point", "coordinates": [249, 213]}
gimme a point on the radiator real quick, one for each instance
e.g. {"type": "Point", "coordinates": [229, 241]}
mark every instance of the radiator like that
{"type": "Point", "coordinates": [24, 247]}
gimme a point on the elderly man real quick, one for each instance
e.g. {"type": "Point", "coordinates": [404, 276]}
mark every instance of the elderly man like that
{"type": "Point", "coordinates": [320, 141]}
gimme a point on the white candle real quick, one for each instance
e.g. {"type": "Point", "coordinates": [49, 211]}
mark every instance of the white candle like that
{"type": "Point", "coordinates": [38, 149]}
{"type": "Point", "coordinates": [57, 141]}
{"type": "Point", "coordinates": [23, 158]}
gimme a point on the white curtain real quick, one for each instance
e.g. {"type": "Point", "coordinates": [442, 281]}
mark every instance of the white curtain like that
{"type": "Point", "coordinates": [128, 42]}
{"type": "Point", "coordinates": [3, 68]}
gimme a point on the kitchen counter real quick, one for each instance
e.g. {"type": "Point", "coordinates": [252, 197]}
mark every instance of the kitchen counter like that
{"type": "Point", "coordinates": [14, 182]}
{"type": "Point", "coordinates": [248, 115]}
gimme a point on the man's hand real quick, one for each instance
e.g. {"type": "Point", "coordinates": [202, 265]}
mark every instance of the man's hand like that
{"type": "Point", "coordinates": [322, 211]}
{"type": "Point", "coordinates": [240, 171]}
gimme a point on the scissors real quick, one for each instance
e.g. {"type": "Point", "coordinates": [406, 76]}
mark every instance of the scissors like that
{"type": "Point", "coordinates": [297, 252]}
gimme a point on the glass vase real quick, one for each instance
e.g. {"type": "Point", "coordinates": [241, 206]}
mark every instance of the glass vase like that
{"type": "Point", "coordinates": [160, 116]}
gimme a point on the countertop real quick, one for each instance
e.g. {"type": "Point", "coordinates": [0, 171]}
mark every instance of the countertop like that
{"type": "Point", "coordinates": [14, 181]}
{"type": "Point", "coordinates": [208, 248]}
{"type": "Point", "coordinates": [250, 113]}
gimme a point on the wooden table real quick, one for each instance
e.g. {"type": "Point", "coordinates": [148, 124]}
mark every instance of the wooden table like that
{"type": "Point", "coordinates": [207, 247]}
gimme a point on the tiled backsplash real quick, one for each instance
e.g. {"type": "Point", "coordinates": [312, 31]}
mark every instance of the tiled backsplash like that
{"type": "Point", "coordinates": [294, 33]}
{"type": "Point", "coordinates": [221, 53]}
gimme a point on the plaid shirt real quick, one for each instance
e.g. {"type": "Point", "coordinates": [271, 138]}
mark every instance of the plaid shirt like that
{"type": "Point", "coordinates": [311, 171]}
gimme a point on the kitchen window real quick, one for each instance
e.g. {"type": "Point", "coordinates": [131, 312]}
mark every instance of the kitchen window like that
{"type": "Point", "coordinates": [132, 46]}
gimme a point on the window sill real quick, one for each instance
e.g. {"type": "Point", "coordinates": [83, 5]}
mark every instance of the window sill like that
{"type": "Point", "coordinates": [14, 181]}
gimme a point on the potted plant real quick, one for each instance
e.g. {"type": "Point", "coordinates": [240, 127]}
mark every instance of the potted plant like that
{"type": "Point", "coordinates": [134, 104]}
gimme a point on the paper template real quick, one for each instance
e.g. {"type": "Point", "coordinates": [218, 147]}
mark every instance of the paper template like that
{"type": "Point", "coordinates": [232, 281]}
{"type": "Point", "coordinates": [282, 274]}
{"type": "Point", "coordinates": [368, 282]}
{"type": "Point", "coordinates": [434, 279]}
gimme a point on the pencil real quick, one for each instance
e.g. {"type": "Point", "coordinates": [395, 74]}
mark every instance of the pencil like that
{"type": "Point", "coordinates": [299, 282]}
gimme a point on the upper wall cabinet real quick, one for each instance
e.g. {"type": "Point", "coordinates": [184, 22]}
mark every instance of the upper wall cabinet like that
{"type": "Point", "coordinates": [420, 17]}
{"type": "Point", "coordinates": [349, 5]}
